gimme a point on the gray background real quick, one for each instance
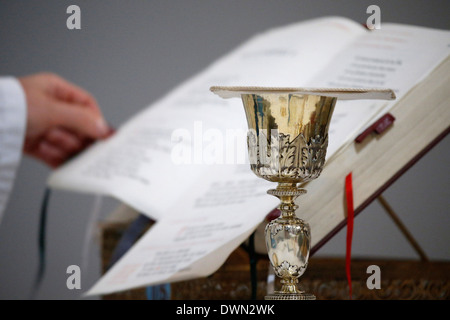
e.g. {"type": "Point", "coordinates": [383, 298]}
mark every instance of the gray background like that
{"type": "Point", "coordinates": [130, 53]}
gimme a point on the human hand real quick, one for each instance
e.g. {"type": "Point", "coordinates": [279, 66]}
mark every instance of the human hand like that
{"type": "Point", "coordinates": [62, 118]}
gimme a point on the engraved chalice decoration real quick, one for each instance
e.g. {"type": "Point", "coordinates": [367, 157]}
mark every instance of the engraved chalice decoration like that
{"type": "Point", "coordinates": [287, 143]}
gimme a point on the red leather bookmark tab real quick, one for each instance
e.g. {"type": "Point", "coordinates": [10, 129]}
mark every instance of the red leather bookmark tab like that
{"type": "Point", "coordinates": [350, 217]}
{"type": "Point", "coordinates": [378, 127]}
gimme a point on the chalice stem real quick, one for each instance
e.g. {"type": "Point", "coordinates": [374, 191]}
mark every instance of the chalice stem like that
{"type": "Point", "coordinates": [288, 243]}
{"type": "Point", "coordinates": [287, 193]}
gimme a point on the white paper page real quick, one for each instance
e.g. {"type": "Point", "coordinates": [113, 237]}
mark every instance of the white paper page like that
{"type": "Point", "coordinates": [222, 213]}
{"type": "Point", "coordinates": [396, 57]}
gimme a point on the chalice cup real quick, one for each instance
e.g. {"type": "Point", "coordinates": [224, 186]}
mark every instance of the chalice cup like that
{"type": "Point", "coordinates": [287, 143]}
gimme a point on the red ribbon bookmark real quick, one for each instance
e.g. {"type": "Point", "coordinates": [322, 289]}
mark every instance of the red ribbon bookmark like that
{"type": "Point", "coordinates": [350, 217]}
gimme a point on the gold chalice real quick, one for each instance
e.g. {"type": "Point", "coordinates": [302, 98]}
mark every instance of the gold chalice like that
{"type": "Point", "coordinates": [287, 143]}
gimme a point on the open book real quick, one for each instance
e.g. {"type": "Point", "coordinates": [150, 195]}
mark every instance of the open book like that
{"type": "Point", "coordinates": [183, 160]}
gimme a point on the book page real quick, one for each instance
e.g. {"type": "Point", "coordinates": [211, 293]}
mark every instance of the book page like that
{"type": "Point", "coordinates": [222, 213]}
{"type": "Point", "coordinates": [396, 57]}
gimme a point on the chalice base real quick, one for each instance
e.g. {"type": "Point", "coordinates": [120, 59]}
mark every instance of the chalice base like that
{"type": "Point", "coordinates": [277, 295]}
{"type": "Point", "coordinates": [290, 291]}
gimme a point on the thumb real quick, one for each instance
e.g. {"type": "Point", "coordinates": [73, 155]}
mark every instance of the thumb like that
{"type": "Point", "coordinates": [79, 119]}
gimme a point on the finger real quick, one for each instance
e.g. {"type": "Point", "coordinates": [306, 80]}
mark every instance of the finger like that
{"type": "Point", "coordinates": [64, 140]}
{"type": "Point", "coordinates": [50, 154]}
{"type": "Point", "coordinates": [80, 120]}
{"type": "Point", "coordinates": [66, 91]}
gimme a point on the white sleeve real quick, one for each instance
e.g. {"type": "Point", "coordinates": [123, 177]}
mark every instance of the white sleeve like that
{"type": "Point", "coordinates": [12, 133]}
